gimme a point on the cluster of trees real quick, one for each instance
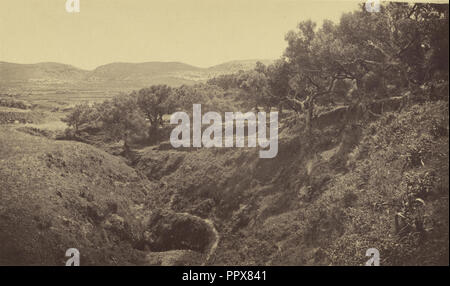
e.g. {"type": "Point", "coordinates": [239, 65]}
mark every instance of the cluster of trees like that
{"type": "Point", "coordinates": [363, 57]}
{"type": "Point", "coordinates": [140, 113]}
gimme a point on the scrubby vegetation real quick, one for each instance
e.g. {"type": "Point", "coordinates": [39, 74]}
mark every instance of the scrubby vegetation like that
{"type": "Point", "coordinates": [9, 101]}
{"type": "Point", "coordinates": [56, 194]}
{"type": "Point", "coordinates": [362, 161]}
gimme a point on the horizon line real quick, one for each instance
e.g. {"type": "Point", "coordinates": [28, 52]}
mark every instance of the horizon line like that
{"type": "Point", "coordinates": [131, 62]}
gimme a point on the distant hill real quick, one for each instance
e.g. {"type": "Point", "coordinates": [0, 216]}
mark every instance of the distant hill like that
{"type": "Point", "coordinates": [234, 66]}
{"type": "Point", "coordinates": [138, 71]}
{"type": "Point", "coordinates": [41, 72]}
{"type": "Point", "coordinates": [125, 76]}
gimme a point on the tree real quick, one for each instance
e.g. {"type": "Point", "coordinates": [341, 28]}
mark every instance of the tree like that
{"type": "Point", "coordinates": [278, 82]}
{"type": "Point", "coordinates": [255, 84]}
{"type": "Point", "coordinates": [79, 115]}
{"type": "Point", "coordinates": [121, 119]}
{"type": "Point", "coordinates": [312, 74]}
{"type": "Point", "coordinates": [184, 97]}
{"type": "Point", "coordinates": [154, 102]}
{"type": "Point", "coordinates": [402, 41]}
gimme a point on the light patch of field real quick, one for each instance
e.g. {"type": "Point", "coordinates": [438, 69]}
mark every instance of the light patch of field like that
{"type": "Point", "coordinates": [11, 109]}
{"type": "Point", "coordinates": [51, 126]}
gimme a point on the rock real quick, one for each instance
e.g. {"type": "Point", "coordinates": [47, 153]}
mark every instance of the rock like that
{"type": "Point", "coordinates": [169, 231]}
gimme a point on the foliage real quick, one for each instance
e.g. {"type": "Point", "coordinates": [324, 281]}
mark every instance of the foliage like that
{"type": "Point", "coordinates": [79, 115]}
{"type": "Point", "coordinates": [121, 118]}
{"type": "Point", "coordinates": [364, 56]}
{"type": "Point", "coordinates": [154, 102]}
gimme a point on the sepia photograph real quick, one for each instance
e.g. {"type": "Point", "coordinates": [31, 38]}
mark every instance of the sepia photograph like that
{"type": "Point", "coordinates": [247, 133]}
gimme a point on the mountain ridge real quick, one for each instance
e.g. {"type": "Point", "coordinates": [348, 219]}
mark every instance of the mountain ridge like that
{"type": "Point", "coordinates": [131, 75]}
{"type": "Point", "coordinates": [220, 65]}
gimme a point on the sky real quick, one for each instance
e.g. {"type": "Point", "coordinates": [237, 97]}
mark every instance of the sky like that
{"type": "Point", "coordinates": [197, 32]}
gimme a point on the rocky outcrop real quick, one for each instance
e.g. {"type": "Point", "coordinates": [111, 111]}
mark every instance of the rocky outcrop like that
{"type": "Point", "coordinates": [168, 230]}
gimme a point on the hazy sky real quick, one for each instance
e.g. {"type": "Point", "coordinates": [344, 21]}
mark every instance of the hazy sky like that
{"type": "Point", "coordinates": [197, 32]}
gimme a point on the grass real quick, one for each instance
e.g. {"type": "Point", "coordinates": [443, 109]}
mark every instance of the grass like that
{"type": "Point", "coordinates": [323, 200]}
{"type": "Point", "coordinates": [58, 195]}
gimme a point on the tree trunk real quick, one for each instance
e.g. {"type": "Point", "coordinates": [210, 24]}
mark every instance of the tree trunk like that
{"type": "Point", "coordinates": [126, 147]}
{"type": "Point", "coordinates": [153, 132]}
{"type": "Point", "coordinates": [309, 114]}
